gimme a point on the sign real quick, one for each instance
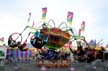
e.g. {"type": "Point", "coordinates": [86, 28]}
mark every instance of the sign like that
{"type": "Point", "coordinates": [3, 52]}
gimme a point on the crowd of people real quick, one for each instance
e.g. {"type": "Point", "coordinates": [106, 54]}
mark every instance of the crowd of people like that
{"type": "Point", "coordinates": [90, 54]}
{"type": "Point", "coordinates": [81, 54]}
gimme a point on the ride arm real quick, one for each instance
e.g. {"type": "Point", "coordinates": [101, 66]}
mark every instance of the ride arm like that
{"type": "Point", "coordinates": [71, 30]}
{"type": "Point", "coordinates": [32, 28]}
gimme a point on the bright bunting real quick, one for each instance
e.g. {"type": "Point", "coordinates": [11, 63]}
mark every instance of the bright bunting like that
{"type": "Point", "coordinates": [44, 11]}
{"type": "Point", "coordinates": [69, 17]}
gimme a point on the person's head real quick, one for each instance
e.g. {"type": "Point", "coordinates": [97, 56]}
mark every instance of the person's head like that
{"type": "Point", "coordinates": [80, 47]}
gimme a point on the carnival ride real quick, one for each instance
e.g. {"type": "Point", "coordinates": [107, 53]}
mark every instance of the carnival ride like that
{"type": "Point", "coordinates": [51, 37]}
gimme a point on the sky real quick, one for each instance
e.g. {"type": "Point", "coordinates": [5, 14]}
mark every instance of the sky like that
{"type": "Point", "coordinates": [14, 15]}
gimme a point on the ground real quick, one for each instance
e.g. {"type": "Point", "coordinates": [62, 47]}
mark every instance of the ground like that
{"type": "Point", "coordinates": [31, 66]}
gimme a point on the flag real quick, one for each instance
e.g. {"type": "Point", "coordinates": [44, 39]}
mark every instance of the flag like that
{"type": "Point", "coordinates": [79, 33]}
{"type": "Point", "coordinates": [1, 38]}
{"type": "Point", "coordinates": [69, 17]}
{"type": "Point", "coordinates": [33, 24]}
{"type": "Point", "coordinates": [94, 42]}
{"type": "Point", "coordinates": [83, 26]}
{"type": "Point", "coordinates": [29, 16]}
{"type": "Point", "coordinates": [44, 11]}
{"type": "Point", "coordinates": [2, 41]}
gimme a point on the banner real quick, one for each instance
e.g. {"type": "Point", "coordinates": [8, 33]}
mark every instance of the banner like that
{"type": "Point", "coordinates": [83, 26]}
{"type": "Point", "coordinates": [69, 17]}
{"type": "Point", "coordinates": [44, 11]}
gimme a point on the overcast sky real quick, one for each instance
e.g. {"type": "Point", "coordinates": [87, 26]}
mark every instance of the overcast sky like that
{"type": "Point", "coordinates": [14, 15]}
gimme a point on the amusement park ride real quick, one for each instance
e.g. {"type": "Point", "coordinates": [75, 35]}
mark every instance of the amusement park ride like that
{"type": "Point", "coordinates": [52, 38]}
